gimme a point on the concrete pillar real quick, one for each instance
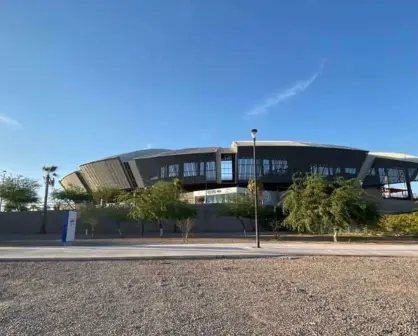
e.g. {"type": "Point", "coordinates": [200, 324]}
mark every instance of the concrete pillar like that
{"type": "Point", "coordinates": [408, 184]}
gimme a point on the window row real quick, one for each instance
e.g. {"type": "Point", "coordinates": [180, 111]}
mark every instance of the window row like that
{"type": "Point", "coordinates": [326, 170]}
{"type": "Point", "coordinates": [264, 167]}
{"type": "Point", "coordinates": [394, 175]}
{"type": "Point", "coordinates": [190, 169]}
{"type": "Point", "coordinates": [281, 167]}
{"type": "Point", "coordinates": [391, 175]}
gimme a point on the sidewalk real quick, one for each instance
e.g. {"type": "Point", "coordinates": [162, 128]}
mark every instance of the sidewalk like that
{"type": "Point", "coordinates": [203, 251]}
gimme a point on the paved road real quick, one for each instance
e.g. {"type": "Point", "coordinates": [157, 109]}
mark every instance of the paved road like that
{"type": "Point", "coordinates": [203, 251]}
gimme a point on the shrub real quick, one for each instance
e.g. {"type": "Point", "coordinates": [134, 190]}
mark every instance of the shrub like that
{"type": "Point", "coordinates": [401, 223]}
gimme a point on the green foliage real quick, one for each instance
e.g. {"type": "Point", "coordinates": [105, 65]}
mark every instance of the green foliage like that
{"type": "Point", "coordinates": [315, 205]}
{"type": "Point", "coordinates": [107, 195]}
{"type": "Point", "coordinates": [185, 216]}
{"type": "Point", "coordinates": [239, 206]}
{"type": "Point", "coordinates": [73, 194]}
{"type": "Point", "coordinates": [157, 203]}
{"type": "Point", "coordinates": [18, 192]}
{"type": "Point", "coordinates": [89, 215]}
{"type": "Point", "coordinates": [50, 174]}
{"type": "Point", "coordinates": [399, 224]}
{"type": "Point", "coordinates": [180, 210]}
{"type": "Point", "coordinates": [118, 213]}
{"type": "Point", "coordinates": [115, 212]}
{"type": "Point", "coordinates": [251, 188]}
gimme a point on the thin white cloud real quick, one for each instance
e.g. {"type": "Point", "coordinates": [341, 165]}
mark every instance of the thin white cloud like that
{"type": "Point", "coordinates": [10, 122]}
{"type": "Point", "coordinates": [282, 96]}
{"type": "Point", "coordinates": [148, 146]}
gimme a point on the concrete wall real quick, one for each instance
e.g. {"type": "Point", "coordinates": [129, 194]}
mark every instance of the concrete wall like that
{"type": "Point", "coordinates": [30, 222]}
{"type": "Point", "coordinates": [27, 222]}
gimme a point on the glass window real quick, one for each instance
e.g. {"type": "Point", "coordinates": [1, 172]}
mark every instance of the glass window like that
{"type": "Point", "coordinates": [279, 166]}
{"type": "Point", "coordinates": [266, 166]}
{"type": "Point", "coordinates": [202, 169]}
{"type": "Point", "coordinates": [173, 170]}
{"type": "Point", "coordinates": [189, 169]}
{"type": "Point", "coordinates": [259, 168]}
{"type": "Point", "coordinates": [350, 171]}
{"type": "Point", "coordinates": [163, 170]}
{"type": "Point", "coordinates": [211, 170]}
{"type": "Point", "coordinates": [226, 170]}
{"type": "Point", "coordinates": [372, 172]}
{"type": "Point", "coordinates": [395, 175]}
{"type": "Point", "coordinates": [321, 170]}
{"type": "Point", "coordinates": [245, 169]}
{"type": "Point", "coordinates": [412, 174]}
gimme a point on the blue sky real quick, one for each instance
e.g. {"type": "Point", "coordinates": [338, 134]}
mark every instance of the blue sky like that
{"type": "Point", "coordinates": [85, 79]}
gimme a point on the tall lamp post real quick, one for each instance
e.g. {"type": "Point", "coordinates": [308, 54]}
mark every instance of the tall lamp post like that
{"type": "Point", "coordinates": [257, 232]}
{"type": "Point", "coordinates": [1, 198]}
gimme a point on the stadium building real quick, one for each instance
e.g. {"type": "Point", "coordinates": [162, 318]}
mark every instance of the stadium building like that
{"type": "Point", "coordinates": [210, 174]}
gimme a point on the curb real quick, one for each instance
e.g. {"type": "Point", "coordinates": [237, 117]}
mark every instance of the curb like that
{"type": "Point", "coordinates": [195, 257]}
{"type": "Point", "coordinates": [146, 258]}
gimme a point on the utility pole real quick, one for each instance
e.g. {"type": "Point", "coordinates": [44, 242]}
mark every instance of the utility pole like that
{"type": "Point", "coordinates": [1, 198]}
{"type": "Point", "coordinates": [257, 231]}
{"type": "Point", "coordinates": [47, 181]}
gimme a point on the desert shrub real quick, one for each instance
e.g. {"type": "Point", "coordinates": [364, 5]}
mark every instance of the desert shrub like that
{"type": "Point", "coordinates": [399, 224]}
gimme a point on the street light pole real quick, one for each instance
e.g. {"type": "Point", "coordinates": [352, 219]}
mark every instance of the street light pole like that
{"type": "Point", "coordinates": [257, 231]}
{"type": "Point", "coordinates": [1, 198]}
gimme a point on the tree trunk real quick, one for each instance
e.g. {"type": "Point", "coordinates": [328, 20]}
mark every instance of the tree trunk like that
{"type": "Point", "coordinates": [335, 235]}
{"type": "Point", "coordinates": [119, 229]}
{"type": "Point", "coordinates": [43, 226]}
{"type": "Point", "coordinates": [142, 228]}
{"type": "Point", "coordinates": [175, 228]}
{"type": "Point", "coordinates": [161, 228]}
{"type": "Point", "coordinates": [86, 232]}
{"type": "Point", "coordinates": [93, 233]}
{"type": "Point", "coordinates": [243, 227]}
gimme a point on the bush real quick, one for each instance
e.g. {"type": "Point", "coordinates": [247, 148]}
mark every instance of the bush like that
{"type": "Point", "coordinates": [400, 224]}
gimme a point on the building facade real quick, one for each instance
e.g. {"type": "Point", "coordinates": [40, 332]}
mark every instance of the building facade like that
{"type": "Point", "coordinates": [217, 168]}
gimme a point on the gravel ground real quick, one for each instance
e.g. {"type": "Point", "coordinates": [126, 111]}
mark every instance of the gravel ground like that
{"type": "Point", "coordinates": [306, 296]}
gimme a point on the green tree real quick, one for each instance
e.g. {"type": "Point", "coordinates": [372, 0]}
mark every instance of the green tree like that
{"type": "Point", "coordinates": [49, 178]}
{"type": "Point", "coordinates": [260, 189]}
{"type": "Point", "coordinates": [118, 213]}
{"type": "Point", "coordinates": [239, 206]}
{"type": "Point", "coordinates": [314, 204]}
{"type": "Point", "coordinates": [105, 195]}
{"type": "Point", "coordinates": [129, 200]}
{"type": "Point", "coordinates": [18, 192]}
{"type": "Point", "coordinates": [185, 216]}
{"type": "Point", "coordinates": [72, 196]}
{"type": "Point", "coordinates": [155, 203]}
{"type": "Point", "coordinates": [89, 215]}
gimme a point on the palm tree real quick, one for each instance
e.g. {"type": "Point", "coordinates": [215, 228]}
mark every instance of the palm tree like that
{"type": "Point", "coordinates": [49, 178]}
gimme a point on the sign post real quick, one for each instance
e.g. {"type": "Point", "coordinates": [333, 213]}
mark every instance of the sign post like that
{"type": "Point", "coordinates": [68, 230]}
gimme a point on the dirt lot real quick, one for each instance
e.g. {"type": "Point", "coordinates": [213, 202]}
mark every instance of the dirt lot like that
{"type": "Point", "coordinates": [305, 296]}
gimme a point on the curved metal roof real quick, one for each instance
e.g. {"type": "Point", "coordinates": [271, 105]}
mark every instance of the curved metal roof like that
{"type": "Point", "coordinates": [395, 156]}
{"type": "Point", "coordinates": [183, 151]}
{"type": "Point", "coordinates": [290, 143]}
